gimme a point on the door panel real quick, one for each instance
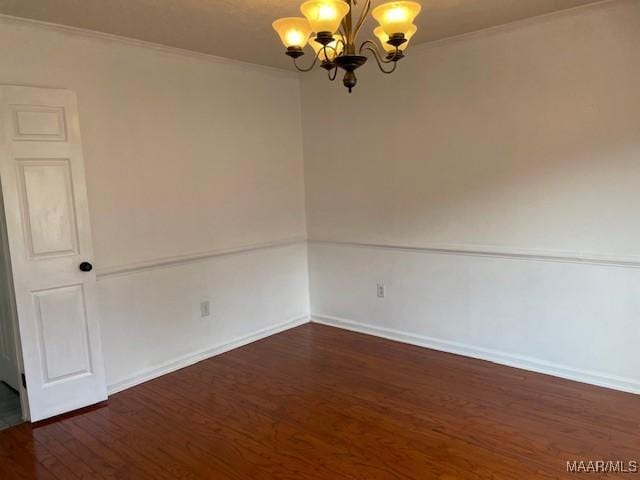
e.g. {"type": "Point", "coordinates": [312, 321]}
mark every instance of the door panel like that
{"type": "Point", "coordinates": [62, 328]}
{"type": "Point", "coordinates": [42, 172]}
{"type": "Point", "coordinates": [46, 196]}
{"type": "Point", "coordinates": [33, 123]}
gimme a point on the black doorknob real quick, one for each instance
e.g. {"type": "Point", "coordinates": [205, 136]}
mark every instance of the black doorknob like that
{"type": "Point", "coordinates": [85, 267]}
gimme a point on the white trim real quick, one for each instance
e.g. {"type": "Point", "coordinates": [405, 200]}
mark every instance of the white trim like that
{"type": "Point", "coordinates": [514, 25]}
{"type": "Point", "coordinates": [166, 49]}
{"type": "Point", "coordinates": [500, 252]}
{"type": "Point", "coordinates": [517, 361]}
{"type": "Point", "coordinates": [193, 257]}
{"type": "Point", "coordinates": [78, 31]}
{"type": "Point", "coordinates": [444, 249]}
{"type": "Point", "coordinates": [195, 357]}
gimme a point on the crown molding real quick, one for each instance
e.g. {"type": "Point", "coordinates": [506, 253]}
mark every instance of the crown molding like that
{"type": "Point", "coordinates": [516, 24]}
{"type": "Point", "coordinates": [108, 37]}
{"type": "Point", "coordinates": [132, 42]}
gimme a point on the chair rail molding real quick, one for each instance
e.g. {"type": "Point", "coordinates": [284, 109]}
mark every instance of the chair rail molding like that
{"type": "Point", "coordinates": [129, 268]}
{"type": "Point", "coordinates": [475, 250]}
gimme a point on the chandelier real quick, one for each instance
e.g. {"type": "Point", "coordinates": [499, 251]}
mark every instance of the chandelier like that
{"type": "Point", "coordinates": [329, 24]}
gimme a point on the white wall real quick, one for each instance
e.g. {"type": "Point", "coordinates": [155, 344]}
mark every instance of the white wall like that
{"type": "Point", "coordinates": [152, 322]}
{"type": "Point", "coordinates": [498, 174]}
{"type": "Point", "coordinates": [186, 157]}
{"type": "Point", "coordinates": [196, 154]}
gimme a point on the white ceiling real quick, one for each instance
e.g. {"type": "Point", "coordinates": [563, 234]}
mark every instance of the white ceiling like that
{"type": "Point", "coordinates": [241, 29]}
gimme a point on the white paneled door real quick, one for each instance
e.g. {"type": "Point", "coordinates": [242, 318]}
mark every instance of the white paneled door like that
{"type": "Point", "coordinates": [45, 196]}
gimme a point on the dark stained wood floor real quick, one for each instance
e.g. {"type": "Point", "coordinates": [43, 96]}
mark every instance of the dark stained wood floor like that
{"type": "Point", "coordinates": [321, 403]}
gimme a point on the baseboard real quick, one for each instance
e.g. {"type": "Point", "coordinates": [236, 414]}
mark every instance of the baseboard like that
{"type": "Point", "coordinates": [195, 357]}
{"type": "Point", "coordinates": [526, 363]}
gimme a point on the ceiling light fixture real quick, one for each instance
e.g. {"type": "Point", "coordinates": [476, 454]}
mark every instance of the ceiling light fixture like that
{"type": "Point", "coordinates": [330, 25]}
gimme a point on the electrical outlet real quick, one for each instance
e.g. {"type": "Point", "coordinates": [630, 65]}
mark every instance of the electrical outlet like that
{"type": "Point", "coordinates": [205, 309]}
{"type": "Point", "coordinates": [382, 291]}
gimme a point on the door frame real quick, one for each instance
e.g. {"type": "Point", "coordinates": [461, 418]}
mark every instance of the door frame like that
{"type": "Point", "coordinates": [4, 250]}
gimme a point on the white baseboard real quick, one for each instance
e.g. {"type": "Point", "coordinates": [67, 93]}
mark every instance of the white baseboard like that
{"type": "Point", "coordinates": [195, 357]}
{"type": "Point", "coordinates": [526, 363]}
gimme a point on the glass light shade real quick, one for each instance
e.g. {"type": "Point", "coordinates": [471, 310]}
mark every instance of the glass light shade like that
{"type": "Point", "coordinates": [325, 15]}
{"type": "Point", "coordinates": [334, 48]}
{"type": "Point", "coordinates": [396, 17]}
{"type": "Point", "coordinates": [384, 38]}
{"type": "Point", "coordinates": [293, 31]}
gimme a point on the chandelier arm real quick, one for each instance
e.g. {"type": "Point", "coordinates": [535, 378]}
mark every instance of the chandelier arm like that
{"type": "Point", "coordinates": [324, 49]}
{"type": "Point", "coordinates": [335, 74]}
{"type": "Point", "coordinates": [308, 69]}
{"type": "Point", "coordinates": [335, 50]}
{"type": "Point", "coordinates": [365, 12]}
{"type": "Point", "coordinates": [372, 47]}
{"type": "Point", "coordinates": [380, 61]}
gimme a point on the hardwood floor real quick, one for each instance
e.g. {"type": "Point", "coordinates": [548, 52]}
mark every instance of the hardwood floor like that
{"type": "Point", "coordinates": [320, 403]}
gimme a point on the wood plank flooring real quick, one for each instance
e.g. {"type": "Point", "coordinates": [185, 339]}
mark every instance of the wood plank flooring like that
{"type": "Point", "coordinates": [321, 403]}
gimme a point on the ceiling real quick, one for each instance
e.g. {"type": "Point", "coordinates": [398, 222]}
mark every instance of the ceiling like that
{"type": "Point", "coordinates": [241, 29]}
